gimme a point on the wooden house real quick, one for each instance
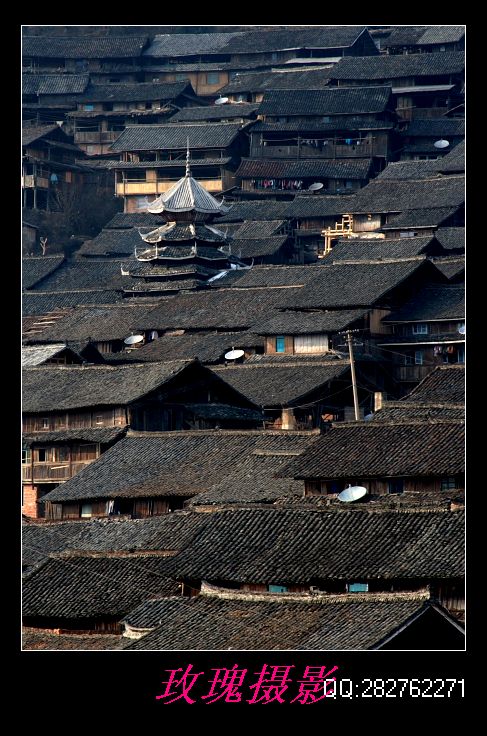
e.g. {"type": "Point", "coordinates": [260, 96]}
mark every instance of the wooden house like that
{"type": "Point", "coordinates": [420, 136]}
{"type": "Point", "coordinates": [104, 110]}
{"type": "Point", "coordinates": [427, 331]}
{"type": "Point", "coordinates": [250, 87]}
{"type": "Point", "coordinates": [424, 39]}
{"type": "Point", "coordinates": [106, 59]}
{"type": "Point", "coordinates": [423, 85]}
{"type": "Point", "coordinates": [49, 96]}
{"type": "Point", "coordinates": [153, 158]}
{"type": "Point", "coordinates": [48, 160]}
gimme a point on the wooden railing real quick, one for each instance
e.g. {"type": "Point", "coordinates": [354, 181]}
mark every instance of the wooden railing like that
{"type": "Point", "coordinates": [331, 150]}
{"type": "Point", "coordinates": [411, 372]}
{"type": "Point", "coordinates": [158, 187]}
{"type": "Point", "coordinates": [53, 471]}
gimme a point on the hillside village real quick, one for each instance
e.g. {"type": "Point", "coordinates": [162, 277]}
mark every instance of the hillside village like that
{"type": "Point", "coordinates": [243, 340]}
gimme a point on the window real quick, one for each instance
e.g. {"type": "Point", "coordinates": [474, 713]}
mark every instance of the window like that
{"type": "Point", "coordinates": [41, 455]}
{"type": "Point", "coordinates": [418, 357]}
{"type": "Point", "coordinates": [88, 108]}
{"type": "Point", "coordinates": [448, 484]}
{"type": "Point", "coordinates": [277, 589]}
{"type": "Point", "coordinates": [178, 77]}
{"type": "Point", "coordinates": [325, 119]}
{"type": "Point", "coordinates": [26, 456]}
{"type": "Point", "coordinates": [461, 355]}
{"type": "Point", "coordinates": [421, 328]}
{"type": "Point", "coordinates": [357, 587]}
{"type": "Point", "coordinates": [86, 510]}
{"type": "Point", "coordinates": [396, 485]}
{"type": "Point", "coordinates": [280, 344]}
{"type": "Point", "coordinates": [45, 422]}
{"type": "Point", "coordinates": [311, 343]}
{"type": "Point", "coordinates": [274, 56]}
{"type": "Point", "coordinates": [348, 184]}
{"type": "Point", "coordinates": [408, 359]}
{"type": "Point", "coordinates": [212, 78]}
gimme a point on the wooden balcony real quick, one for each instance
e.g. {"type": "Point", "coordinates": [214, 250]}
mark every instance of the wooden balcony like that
{"type": "Point", "coordinates": [30, 181]}
{"type": "Point", "coordinates": [411, 372]}
{"type": "Point", "coordinates": [49, 472]}
{"type": "Point", "coordinates": [366, 149]}
{"type": "Point", "coordinates": [96, 136]}
{"type": "Point", "coordinates": [142, 186]}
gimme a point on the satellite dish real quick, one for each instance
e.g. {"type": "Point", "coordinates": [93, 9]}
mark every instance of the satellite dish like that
{"type": "Point", "coordinates": [352, 493]}
{"type": "Point", "coordinates": [133, 339]}
{"type": "Point", "coordinates": [221, 100]}
{"type": "Point", "coordinates": [234, 354]}
{"type": "Point", "coordinates": [441, 144]}
{"type": "Point", "coordinates": [461, 330]}
{"type": "Point", "coordinates": [315, 187]}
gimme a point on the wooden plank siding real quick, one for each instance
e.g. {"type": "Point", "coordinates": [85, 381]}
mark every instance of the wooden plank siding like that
{"type": "Point", "coordinates": [75, 420]}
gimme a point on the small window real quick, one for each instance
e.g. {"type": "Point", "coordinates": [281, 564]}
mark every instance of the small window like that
{"type": "Point", "coordinates": [461, 355]}
{"type": "Point", "coordinates": [41, 455]}
{"type": "Point", "coordinates": [325, 119]}
{"type": "Point", "coordinates": [448, 484]}
{"type": "Point", "coordinates": [277, 589]}
{"type": "Point", "coordinates": [212, 78]}
{"type": "Point", "coordinates": [86, 510]}
{"type": "Point", "coordinates": [280, 344]}
{"type": "Point", "coordinates": [357, 587]}
{"type": "Point", "coordinates": [108, 106]}
{"type": "Point", "coordinates": [418, 357]}
{"type": "Point", "coordinates": [179, 77]}
{"type": "Point", "coordinates": [348, 184]}
{"type": "Point", "coordinates": [421, 328]}
{"type": "Point", "coordinates": [88, 108]}
{"type": "Point", "coordinates": [396, 485]}
{"type": "Point", "coordinates": [45, 422]}
{"type": "Point", "coordinates": [274, 56]}
{"type": "Point", "coordinates": [99, 419]}
{"type": "Point", "coordinates": [408, 359]}
{"type": "Point", "coordinates": [26, 456]}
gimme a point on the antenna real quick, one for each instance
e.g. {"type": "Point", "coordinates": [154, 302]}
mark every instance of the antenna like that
{"type": "Point", "coordinates": [221, 100]}
{"type": "Point", "coordinates": [133, 339]}
{"type": "Point", "coordinates": [441, 143]}
{"type": "Point", "coordinates": [234, 354]}
{"type": "Point", "coordinates": [352, 493]}
{"type": "Point", "coordinates": [315, 187]}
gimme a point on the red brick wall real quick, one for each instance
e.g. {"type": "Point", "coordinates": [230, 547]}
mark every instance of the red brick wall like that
{"type": "Point", "coordinates": [30, 507]}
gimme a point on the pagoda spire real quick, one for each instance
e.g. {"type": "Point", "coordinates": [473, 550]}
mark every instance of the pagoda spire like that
{"type": "Point", "coordinates": [188, 170]}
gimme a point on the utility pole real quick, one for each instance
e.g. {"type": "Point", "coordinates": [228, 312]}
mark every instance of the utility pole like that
{"type": "Point", "coordinates": [352, 369]}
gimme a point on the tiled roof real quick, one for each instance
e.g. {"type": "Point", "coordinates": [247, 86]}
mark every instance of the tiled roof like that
{"type": "Point", "coordinates": [114, 242]}
{"type": "Point", "coordinates": [284, 382]}
{"type": "Point", "coordinates": [272, 276]}
{"type": "Point", "coordinates": [215, 112]}
{"type": "Point", "coordinates": [37, 354]}
{"type": "Point", "coordinates": [213, 623]}
{"type": "Point", "coordinates": [187, 195]}
{"type": "Point", "coordinates": [396, 196]}
{"type": "Point", "coordinates": [453, 162]}
{"type": "Point", "coordinates": [452, 268]}
{"type": "Point", "coordinates": [187, 44]}
{"type": "Point", "coordinates": [98, 323]}
{"type": "Point", "coordinates": [257, 81]}
{"type": "Point", "coordinates": [446, 302]}
{"type": "Point", "coordinates": [69, 387]}
{"type": "Point", "coordinates": [175, 136]}
{"type": "Point", "coordinates": [165, 464]}
{"type": "Point", "coordinates": [255, 210]}
{"type": "Point", "coordinates": [403, 36]}
{"type": "Point", "coordinates": [400, 411]}
{"type": "Point", "coordinates": [346, 122]}
{"type": "Point", "coordinates": [257, 247]}
{"type": "Point", "coordinates": [435, 128]}
{"type": "Point", "coordinates": [54, 84]}
{"type": "Point", "coordinates": [299, 323]}
{"type": "Point", "coordinates": [104, 435]}
{"type": "Point", "coordinates": [36, 268]}
{"type": "Point", "coordinates": [77, 275]}
{"type": "Point", "coordinates": [299, 546]}
{"type": "Point", "coordinates": [386, 67]}
{"type": "Point", "coordinates": [31, 133]}
{"type": "Point", "coordinates": [446, 384]}
{"type": "Point", "coordinates": [83, 47]}
{"type": "Point", "coordinates": [127, 220]}
{"type": "Point", "coordinates": [408, 170]}
{"type": "Point", "coordinates": [329, 168]}
{"type": "Point", "coordinates": [451, 238]}
{"type": "Point", "coordinates": [38, 303]}
{"type": "Point", "coordinates": [328, 101]}
{"type": "Point", "coordinates": [441, 34]}
{"type": "Point", "coordinates": [426, 217]}
{"type": "Point", "coordinates": [173, 167]}
{"type": "Point", "coordinates": [313, 205]}
{"type": "Point", "coordinates": [40, 540]}
{"type": "Point", "coordinates": [357, 249]}
{"type": "Point", "coordinates": [87, 587]}
{"type": "Point", "coordinates": [140, 91]}
{"type": "Point", "coordinates": [41, 639]}
{"type": "Point", "coordinates": [390, 450]}
{"type": "Point", "coordinates": [259, 229]}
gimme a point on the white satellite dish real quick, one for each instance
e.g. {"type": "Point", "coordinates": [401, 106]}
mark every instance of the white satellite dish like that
{"type": "Point", "coordinates": [461, 330]}
{"type": "Point", "coordinates": [221, 100]}
{"type": "Point", "coordinates": [234, 354]}
{"type": "Point", "coordinates": [315, 187]}
{"type": "Point", "coordinates": [352, 493]}
{"type": "Point", "coordinates": [441, 144]}
{"type": "Point", "coordinates": [133, 339]}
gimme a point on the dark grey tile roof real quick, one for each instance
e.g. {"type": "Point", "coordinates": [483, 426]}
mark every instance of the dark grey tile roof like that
{"type": "Point", "coordinates": [224, 411]}
{"type": "Point", "coordinates": [255, 210]}
{"type": "Point", "coordinates": [400, 411]}
{"type": "Point", "coordinates": [396, 196]}
{"type": "Point", "coordinates": [299, 323]}
{"type": "Point", "coordinates": [165, 464]}
{"type": "Point", "coordinates": [329, 168]}
{"type": "Point", "coordinates": [312, 205]}
{"type": "Point", "coordinates": [446, 384]}
{"type": "Point", "coordinates": [328, 101]}
{"type": "Point", "coordinates": [356, 249]}
{"type": "Point", "coordinates": [212, 623]}
{"type": "Point", "coordinates": [257, 478]}
{"type": "Point", "coordinates": [257, 247]}
{"type": "Point", "coordinates": [432, 303]}
{"type": "Point", "coordinates": [441, 34]}
{"type": "Point", "coordinates": [215, 112]}
{"type": "Point", "coordinates": [260, 229]}
{"type": "Point", "coordinates": [222, 309]}
{"type": "Point", "coordinates": [324, 37]}
{"type": "Point", "coordinates": [70, 387]}
{"type": "Point", "coordinates": [187, 44]}
{"type": "Point", "coordinates": [36, 268]}
{"type": "Point", "coordinates": [403, 36]}
{"type": "Point", "coordinates": [257, 81]}
{"type": "Point", "coordinates": [41, 639]}
{"type": "Point", "coordinates": [356, 284]}
{"type": "Point", "coordinates": [176, 166]}
{"type": "Point", "coordinates": [452, 268]}
{"type": "Point", "coordinates": [175, 136]}
{"type": "Point", "coordinates": [408, 169]}
{"type": "Point", "coordinates": [281, 383]}
{"type": "Point", "coordinates": [83, 47]}
{"type": "Point", "coordinates": [114, 242]}
{"type": "Point", "coordinates": [88, 587]}
{"type": "Point", "coordinates": [31, 133]}
{"type": "Point", "coordinates": [435, 128]}
{"type": "Point", "coordinates": [100, 323]}
{"type": "Point", "coordinates": [139, 92]}
{"type": "Point", "coordinates": [451, 238]}
{"type": "Point", "coordinates": [386, 67]}
{"type": "Point", "coordinates": [295, 546]}
{"type": "Point", "coordinates": [347, 122]}
{"type": "Point", "coordinates": [132, 219]}
{"type": "Point", "coordinates": [38, 303]}
{"type": "Point", "coordinates": [103, 435]}
{"type": "Point", "coordinates": [453, 162]}
{"type": "Point", "coordinates": [54, 84]}
{"type": "Point", "coordinates": [39, 540]}
{"type": "Point", "coordinates": [272, 276]}
{"type": "Point", "coordinates": [77, 275]}
{"type": "Point", "coordinates": [33, 355]}
{"type": "Point", "coordinates": [426, 217]}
